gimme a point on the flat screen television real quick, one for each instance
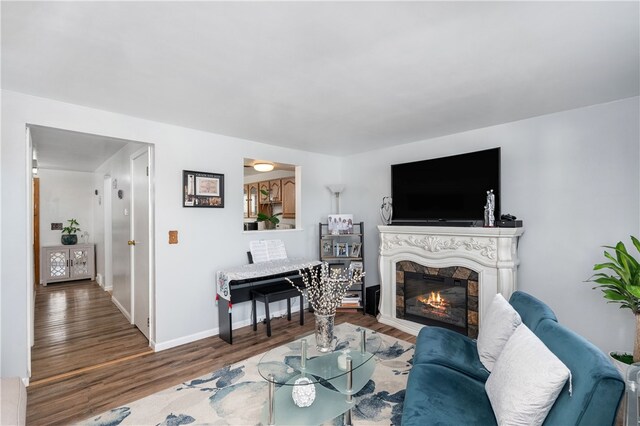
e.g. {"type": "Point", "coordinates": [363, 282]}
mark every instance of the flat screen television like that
{"type": "Point", "coordinates": [446, 191]}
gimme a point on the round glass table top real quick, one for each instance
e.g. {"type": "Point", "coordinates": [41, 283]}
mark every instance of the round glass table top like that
{"type": "Point", "coordinates": [285, 362]}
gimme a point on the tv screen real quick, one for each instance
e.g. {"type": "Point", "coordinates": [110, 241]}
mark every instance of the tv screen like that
{"type": "Point", "coordinates": [446, 189]}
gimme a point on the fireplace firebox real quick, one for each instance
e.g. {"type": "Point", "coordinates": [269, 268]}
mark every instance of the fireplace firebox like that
{"type": "Point", "coordinates": [445, 297]}
{"type": "Point", "coordinates": [436, 300]}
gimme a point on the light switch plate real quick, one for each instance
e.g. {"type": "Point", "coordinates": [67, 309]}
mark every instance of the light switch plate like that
{"type": "Point", "coordinates": [173, 237]}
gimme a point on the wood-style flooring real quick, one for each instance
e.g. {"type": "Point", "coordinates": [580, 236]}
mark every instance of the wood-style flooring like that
{"type": "Point", "coordinates": [77, 326]}
{"type": "Point", "coordinates": [89, 392]}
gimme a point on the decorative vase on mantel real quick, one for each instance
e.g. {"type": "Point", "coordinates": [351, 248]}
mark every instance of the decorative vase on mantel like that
{"type": "Point", "coordinates": [324, 331]}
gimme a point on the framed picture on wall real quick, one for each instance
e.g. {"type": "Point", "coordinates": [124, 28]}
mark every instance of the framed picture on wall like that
{"type": "Point", "coordinates": [202, 189]}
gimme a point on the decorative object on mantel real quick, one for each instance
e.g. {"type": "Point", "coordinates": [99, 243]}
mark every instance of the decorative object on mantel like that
{"type": "Point", "coordinates": [489, 209]}
{"type": "Point", "coordinates": [386, 210]}
{"type": "Point", "coordinates": [69, 236]}
{"type": "Point", "coordinates": [303, 392]}
{"type": "Point", "coordinates": [622, 285]}
{"type": "Point", "coordinates": [202, 189]}
{"type": "Point", "coordinates": [325, 288]}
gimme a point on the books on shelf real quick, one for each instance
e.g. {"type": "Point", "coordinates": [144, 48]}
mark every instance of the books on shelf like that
{"type": "Point", "coordinates": [351, 300]}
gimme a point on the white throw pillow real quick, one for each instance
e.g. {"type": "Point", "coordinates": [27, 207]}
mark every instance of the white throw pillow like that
{"type": "Point", "coordinates": [496, 327]}
{"type": "Point", "coordinates": [526, 380]}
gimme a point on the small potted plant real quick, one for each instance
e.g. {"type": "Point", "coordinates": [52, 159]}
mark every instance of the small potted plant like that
{"type": "Point", "coordinates": [270, 220]}
{"type": "Point", "coordinates": [69, 236]}
{"type": "Point", "coordinates": [622, 286]}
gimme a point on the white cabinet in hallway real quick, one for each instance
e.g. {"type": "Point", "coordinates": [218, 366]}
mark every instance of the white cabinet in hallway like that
{"type": "Point", "coordinates": [66, 263]}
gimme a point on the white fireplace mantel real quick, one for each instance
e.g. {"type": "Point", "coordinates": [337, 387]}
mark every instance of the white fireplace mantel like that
{"type": "Point", "coordinates": [492, 252]}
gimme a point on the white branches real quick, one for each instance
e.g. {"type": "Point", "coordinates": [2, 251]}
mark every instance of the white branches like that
{"type": "Point", "coordinates": [325, 287]}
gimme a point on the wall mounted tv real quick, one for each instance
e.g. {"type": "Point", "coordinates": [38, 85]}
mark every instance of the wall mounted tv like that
{"type": "Point", "coordinates": [448, 191]}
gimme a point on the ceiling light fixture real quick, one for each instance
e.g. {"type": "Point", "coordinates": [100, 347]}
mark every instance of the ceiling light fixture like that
{"type": "Point", "coordinates": [263, 167]}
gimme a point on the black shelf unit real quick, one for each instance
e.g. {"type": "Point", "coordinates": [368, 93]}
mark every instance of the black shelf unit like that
{"type": "Point", "coordinates": [331, 257]}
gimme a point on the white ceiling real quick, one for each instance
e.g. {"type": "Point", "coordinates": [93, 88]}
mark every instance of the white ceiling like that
{"type": "Point", "coordinates": [64, 150]}
{"type": "Point", "coordinates": [324, 76]}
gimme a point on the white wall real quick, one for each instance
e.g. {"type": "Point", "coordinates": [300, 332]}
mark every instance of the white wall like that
{"type": "Point", "coordinates": [210, 239]}
{"type": "Point", "coordinates": [64, 195]}
{"type": "Point", "coordinates": [573, 177]}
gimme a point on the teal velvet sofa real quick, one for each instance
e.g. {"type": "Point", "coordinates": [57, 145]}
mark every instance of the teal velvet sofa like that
{"type": "Point", "coordinates": [446, 385]}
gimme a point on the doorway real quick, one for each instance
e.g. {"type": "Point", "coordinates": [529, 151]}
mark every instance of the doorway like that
{"type": "Point", "coordinates": [100, 169]}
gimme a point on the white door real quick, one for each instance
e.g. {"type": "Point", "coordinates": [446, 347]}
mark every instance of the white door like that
{"type": "Point", "coordinates": [140, 240]}
{"type": "Point", "coordinates": [107, 280]}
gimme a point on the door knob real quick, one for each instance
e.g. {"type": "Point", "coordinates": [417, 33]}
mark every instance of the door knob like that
{"type": "Point", "coordinates": [131, 242]}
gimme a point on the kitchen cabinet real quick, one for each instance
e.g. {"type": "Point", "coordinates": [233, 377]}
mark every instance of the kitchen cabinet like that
{"type": "Point", "coordinates": [288, 190]}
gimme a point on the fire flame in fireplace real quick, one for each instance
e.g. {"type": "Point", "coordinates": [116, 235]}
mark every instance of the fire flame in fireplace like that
{"type": "Point", "coordinates": [434, 300]}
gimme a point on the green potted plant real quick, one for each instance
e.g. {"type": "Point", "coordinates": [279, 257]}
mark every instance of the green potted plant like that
{"type": "Point", "coordinates": [69, 236]}
{"type": "Point", "coordinates": [270, 220]}
{"type": "Point", "coordinates": [621, 285]}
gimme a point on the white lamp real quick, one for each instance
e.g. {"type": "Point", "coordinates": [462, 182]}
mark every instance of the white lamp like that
{"type": "Point", "coordinates": [336, 189]}
{"type": "Point", "coordinates": [263, 167]}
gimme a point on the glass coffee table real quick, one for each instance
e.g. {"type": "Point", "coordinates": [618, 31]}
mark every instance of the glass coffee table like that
{"type": "Point", "coordinates": [336, 375]}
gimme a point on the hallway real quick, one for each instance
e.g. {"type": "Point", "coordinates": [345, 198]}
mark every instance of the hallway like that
{"type": "Point", "coordinates": [78, 328]}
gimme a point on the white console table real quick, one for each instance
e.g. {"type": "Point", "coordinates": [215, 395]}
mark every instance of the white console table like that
{"type": "Point", "coordinates": [67, 263]}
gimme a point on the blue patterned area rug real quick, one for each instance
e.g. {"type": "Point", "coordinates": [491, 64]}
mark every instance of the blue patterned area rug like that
{"type": "Point", "coordinates": [236, 395]}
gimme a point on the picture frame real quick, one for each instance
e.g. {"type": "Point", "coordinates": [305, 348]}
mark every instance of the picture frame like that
{"type": "Point", "coordinates": [326, 247]}
{"type": "Point", "coordinates": [356, 248]}
{"type": "Point", "coordinates": [355, 266]}
{"type": "Point", "coordinates": [337, 267]}
{"type": "Point", "coordinates": [340, 224]}
{"type": "Point", "coordinates": [202, 189]}
{"type": "Point", "coordinates": [341, 250]}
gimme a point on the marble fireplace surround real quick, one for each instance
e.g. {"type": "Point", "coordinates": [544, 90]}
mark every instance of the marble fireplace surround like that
{"type": "Point", "coordinates": [491, 252]}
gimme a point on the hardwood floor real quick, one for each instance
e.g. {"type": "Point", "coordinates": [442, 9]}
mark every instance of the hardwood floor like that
{"type": "Point", "coordinates": [92, 392]}
{"type": "Point", "coordinates": [77, 327]}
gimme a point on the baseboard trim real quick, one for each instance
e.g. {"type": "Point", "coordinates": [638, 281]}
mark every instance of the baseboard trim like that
{"type": "Point", "coordinates": [207, 333]}
{"type": "Point", "coordinates": [122, 309]}
{"type": "Point", "coordinates": [185, 339]}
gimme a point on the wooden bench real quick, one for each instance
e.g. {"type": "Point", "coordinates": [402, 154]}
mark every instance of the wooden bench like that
{"type": "Point", "coordinates": [275, 293]}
